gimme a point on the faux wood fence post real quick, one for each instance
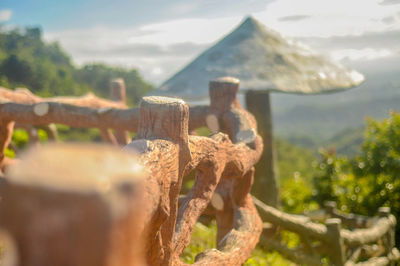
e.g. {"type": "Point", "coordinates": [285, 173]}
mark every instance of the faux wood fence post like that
{"type": "Point", "coordinates": [6, 131]}
{"type": "Point", "coordinates": [223, 98]}
{"type": "Point", "coordinates": [70, 205]}
{"type": "Point", "coordinates": [163, 143]}
{"type": "Point", "coordinates": [118, 90]}
{"type": "Point", "coordinates": [389, 239]}
{"type": "Point", "coordinates": [337, 252]}
{"type": "Point", "coordinates": [240, 125]}
{"type": "Point", "coordinates": [118, 94]}
{"type": "Point", "coordinates": [226, 113]}
{"type": "Point", "coordinates": [330, 207]}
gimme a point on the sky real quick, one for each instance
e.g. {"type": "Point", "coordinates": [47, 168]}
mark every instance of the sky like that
{"type": "Point", "coordinates": [159, 37]}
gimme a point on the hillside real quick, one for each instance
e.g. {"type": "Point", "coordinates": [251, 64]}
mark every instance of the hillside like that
{"type": "Point", "coordinates": [316, 119]}
{"type": "Point", "coordinates": [47, 70]}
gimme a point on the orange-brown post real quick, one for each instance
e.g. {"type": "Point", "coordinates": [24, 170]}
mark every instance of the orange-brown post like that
{"type": "Point", "coordinates": [163, 144]}
{"type": "Point", "coordinates": [118, 94]}
{"type": "Point", "coordinates": [240, 125]}
{"type": "Point", "coordinates": [6, 131]}
{"type": "Point", "coordinates": [71, 205]}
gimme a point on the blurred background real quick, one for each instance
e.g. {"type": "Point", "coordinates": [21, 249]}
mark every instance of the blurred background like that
{"type": "Point", "coordinates": [342, 146]}
{"type": "Point", "coordinates": [70, 47]}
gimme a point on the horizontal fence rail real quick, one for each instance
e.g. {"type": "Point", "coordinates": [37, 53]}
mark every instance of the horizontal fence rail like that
{"type": "Point", "coordinates": [370, 242]}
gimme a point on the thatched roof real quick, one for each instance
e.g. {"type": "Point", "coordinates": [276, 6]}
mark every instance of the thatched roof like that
{"type": "Point", "coordinates": [263, 60]}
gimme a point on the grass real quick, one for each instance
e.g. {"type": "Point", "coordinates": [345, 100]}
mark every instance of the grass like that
{"type": "Point", "coordinates": [203, 237]}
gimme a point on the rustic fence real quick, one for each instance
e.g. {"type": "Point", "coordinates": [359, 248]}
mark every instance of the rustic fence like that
{"type": "Point", "coordinates": [24, 96]}
{"type": "Point", "coordinates": [223, 168]}
{"type": "Point", "coordinates": [57, 200]}
{"type": "Point", "coordinates": [344, 239]}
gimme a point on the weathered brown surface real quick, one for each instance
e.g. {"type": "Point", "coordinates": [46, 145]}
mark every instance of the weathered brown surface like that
{"type": "Point", "coordinates": [162, 142]}
{"type": "Point", "coordinates": [117, 94]}
{"type": "Point", "coordinates": [72, 115]}
{"type": "Point", "coordinates": [6, 130]}
{"type": "Point", "coordinates": [163, 129]}
{"type": "Point", "coordinates": [118, 90]}
{"type": "Point", "coordinates": [74, 206]}
{"type": "Point", "coordinates": [239, 225]}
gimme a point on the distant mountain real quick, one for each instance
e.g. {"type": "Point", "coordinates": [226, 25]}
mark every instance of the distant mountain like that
{"type": "Point", "coordinates": [321, 117]}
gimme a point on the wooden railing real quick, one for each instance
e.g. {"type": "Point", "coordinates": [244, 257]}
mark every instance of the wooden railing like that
{"type": "Point", "coordinates": [93, 206]}
{"type": "Point", "coordinates": [344, 239]}
{"type": "Point", "coordinates": [223, 165]}
{"type": "Point", "coordinates": [117, 95]}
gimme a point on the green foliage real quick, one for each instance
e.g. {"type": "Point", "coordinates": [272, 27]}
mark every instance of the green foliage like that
{"type": "Point", "coordinates": [334, 180]}
{"type": "Point", "coordinates": [296, 195]}
{"type": "Point", "coordinates": [67, 133]}
{"type": "Point", "coordinates": [99, 75]}
{"type": "Point", "coordinates": [204, 237]}
{"type": "Point", "coordinates": [368, 181]}
{"type": "Point", "coordinates": [293, 160]}
{"type": "Point", "coordinates": [20, 138]}
{"type": "Point", "coordinates": [45, 69]}
{"type": "Point", "coordinates": [9, 153]}
{"type": "Point", "coordinates": [295, 172]}
{"type": "Point", "coordinates": [26, 61]}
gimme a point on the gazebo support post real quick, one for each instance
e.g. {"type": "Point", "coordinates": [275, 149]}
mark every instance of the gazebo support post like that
{"type": "Point", "coordinates": [265, 181]}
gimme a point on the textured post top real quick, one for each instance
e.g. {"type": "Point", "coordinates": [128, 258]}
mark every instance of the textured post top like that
{"type": "Point", "coordinates": [384, 211]}
{"type": "Point", "coordinates": [78, 168]}
{"type": "Point", "coordinates": [330, 206]}
{"type": "Point", "coordinates": [333, 222]}
{"type": "Point", "coordinates": [163, 118]}
{"type": "Point", "coordinates": [118, 90]}
{"type": "Point", "coordinates": [223, 93]}
{"type": "Point", "coordinates": [228, 81]}
{"type": "Point", "coordinates": [161, 101]}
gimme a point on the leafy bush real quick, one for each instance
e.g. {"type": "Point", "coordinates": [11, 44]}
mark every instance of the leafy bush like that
{"type": "Point", "coordinates": [366, 182]}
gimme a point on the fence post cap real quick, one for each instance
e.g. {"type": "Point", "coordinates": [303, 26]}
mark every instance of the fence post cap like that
{"type": "Point", "coordinates": [333, 222]}
{"type": "Point", "coordinates": [384, 211]}
{"type": "Point", "coordinates": [223, 93]}
{"type": "Point", "coordinates": [79, 168]}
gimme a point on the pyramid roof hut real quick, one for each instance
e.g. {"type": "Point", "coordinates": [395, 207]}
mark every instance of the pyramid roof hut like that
{"type": "Point", "coordinates": [263, 60]}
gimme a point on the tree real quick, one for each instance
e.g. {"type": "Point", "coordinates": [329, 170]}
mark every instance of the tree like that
{"type": "Point", "coordinates": [45, 69]}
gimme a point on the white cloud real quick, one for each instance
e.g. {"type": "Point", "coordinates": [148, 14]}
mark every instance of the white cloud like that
{"type": "Point", "coordinates": [5, 15]}
{"type": "Point", "coordinates": [328, 18]}
{"type": "Point", "coordinates": [183, 8]}
{"type": "Point", "coordinates": [366, 54]}
{"type": "Point", "coordinates": [160, 49]}
{"type": "Point", "coordinates": [184, 30]}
